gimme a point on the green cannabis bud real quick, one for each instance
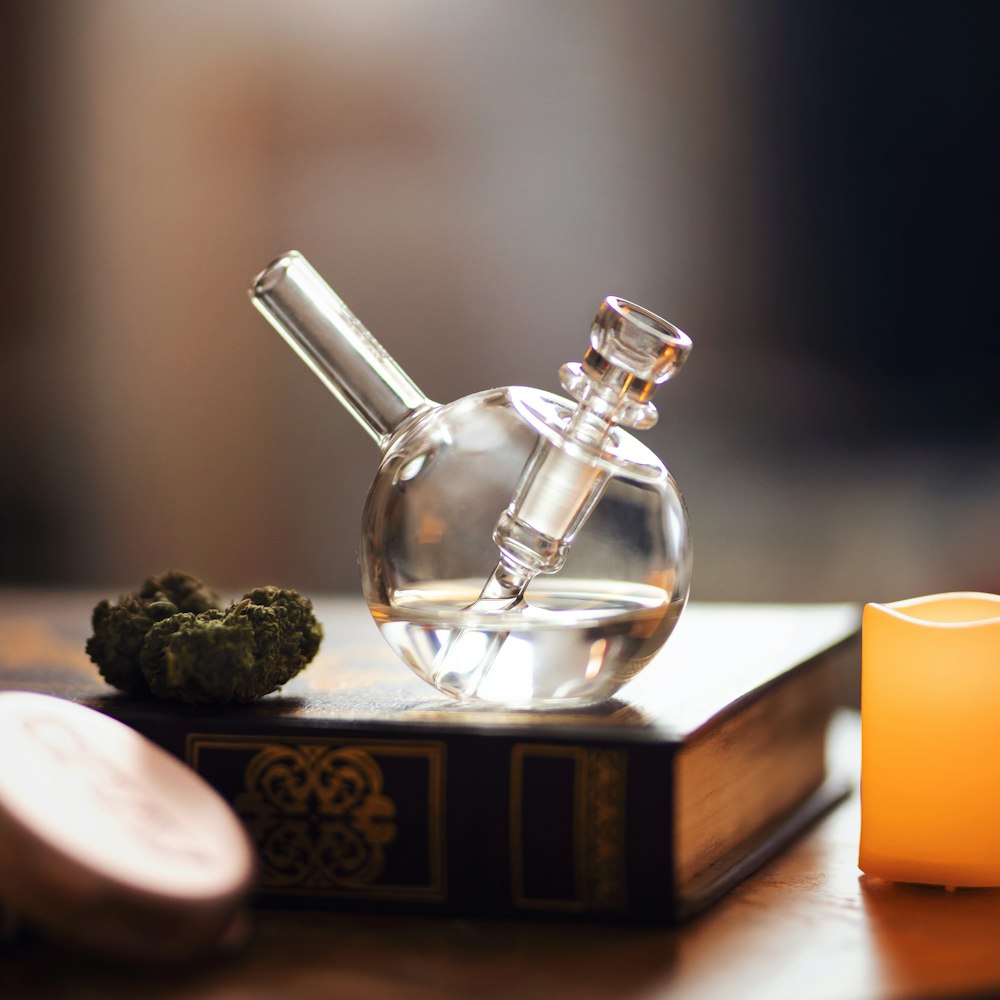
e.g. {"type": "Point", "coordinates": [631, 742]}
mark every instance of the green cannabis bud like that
{"type": "Point", "coordinates": [120, 629]}
{"type": "Point", "coordinates": [301, 634]}
{"type": "Point", "coordinates": [240, 655]}
{"type": "Point", "coordinates": [177, 643]}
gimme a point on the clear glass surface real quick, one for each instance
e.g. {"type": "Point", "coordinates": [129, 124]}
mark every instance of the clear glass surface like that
{"type": "Point", "coordinates": [517, 548]}
{"type": "Point", "coordinates": [427, 547]}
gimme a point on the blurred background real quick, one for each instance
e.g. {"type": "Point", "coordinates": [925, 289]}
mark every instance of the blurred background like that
{"type": "Point", "coordinates": [809, 190]}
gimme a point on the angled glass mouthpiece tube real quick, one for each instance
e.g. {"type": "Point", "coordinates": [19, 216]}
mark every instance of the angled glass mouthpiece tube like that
{"type": "Point", "coordinates": [335, 344]}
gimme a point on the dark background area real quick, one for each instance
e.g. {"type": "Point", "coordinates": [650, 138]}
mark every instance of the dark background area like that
{"type": "Point", "coordinates": [888, 142]}
{"type": "Point", "coordinates": [808, 189]}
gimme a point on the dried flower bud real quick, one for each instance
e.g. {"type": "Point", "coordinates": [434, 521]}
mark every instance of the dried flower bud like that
{"type": "Point", "coordinates": [120, 629]}
{"type": "Point", "coordinates": [172, 640]}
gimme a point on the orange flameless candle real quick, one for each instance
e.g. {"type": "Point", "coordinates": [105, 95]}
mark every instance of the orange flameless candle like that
{"type": "Point", "coordinates": [930, 732]}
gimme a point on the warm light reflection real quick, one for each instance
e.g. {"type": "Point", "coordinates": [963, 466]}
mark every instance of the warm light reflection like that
{"type": "Point", "coordinates": [596, 661]}
{"type": "Point", "coordinates": [431, 529]}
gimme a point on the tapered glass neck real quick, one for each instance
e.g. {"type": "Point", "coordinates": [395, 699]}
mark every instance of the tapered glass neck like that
{"type": "Point", "coordinates": [333, 342]}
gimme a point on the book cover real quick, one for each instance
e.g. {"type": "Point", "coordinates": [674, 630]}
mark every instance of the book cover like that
{"type": "Point", "coordinates": [364, 788]}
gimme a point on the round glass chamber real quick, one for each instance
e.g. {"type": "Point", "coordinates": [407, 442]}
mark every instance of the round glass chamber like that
{"type": "Point", "coordinates": [427, 548]}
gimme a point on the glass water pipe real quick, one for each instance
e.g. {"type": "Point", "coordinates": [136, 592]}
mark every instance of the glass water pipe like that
{"type": "Point", "coordinates": [516, 548]}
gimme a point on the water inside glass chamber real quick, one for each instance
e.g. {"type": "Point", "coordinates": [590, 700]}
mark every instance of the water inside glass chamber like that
{"type": "Point", "coordinates": [570, 641]}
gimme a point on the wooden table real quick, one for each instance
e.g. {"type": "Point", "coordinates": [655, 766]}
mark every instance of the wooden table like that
{"type": "Point", "coordinates": [807, 926]}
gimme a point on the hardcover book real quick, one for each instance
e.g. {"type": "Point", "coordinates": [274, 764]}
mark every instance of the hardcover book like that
{"type": "Point", "coordinates": [364, 788]}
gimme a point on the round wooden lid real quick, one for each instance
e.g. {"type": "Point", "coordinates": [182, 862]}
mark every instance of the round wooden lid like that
{"type": "Point", "coordinates": [110, 843]}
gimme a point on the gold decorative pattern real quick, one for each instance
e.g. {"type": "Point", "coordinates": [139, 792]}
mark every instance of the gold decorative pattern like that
{"type": "Point", "coordinates": [605, 829]}
{"type": "Point", "coordinates": [320, 816]}
{"type": "Point", "coordinates": [317, 814]}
